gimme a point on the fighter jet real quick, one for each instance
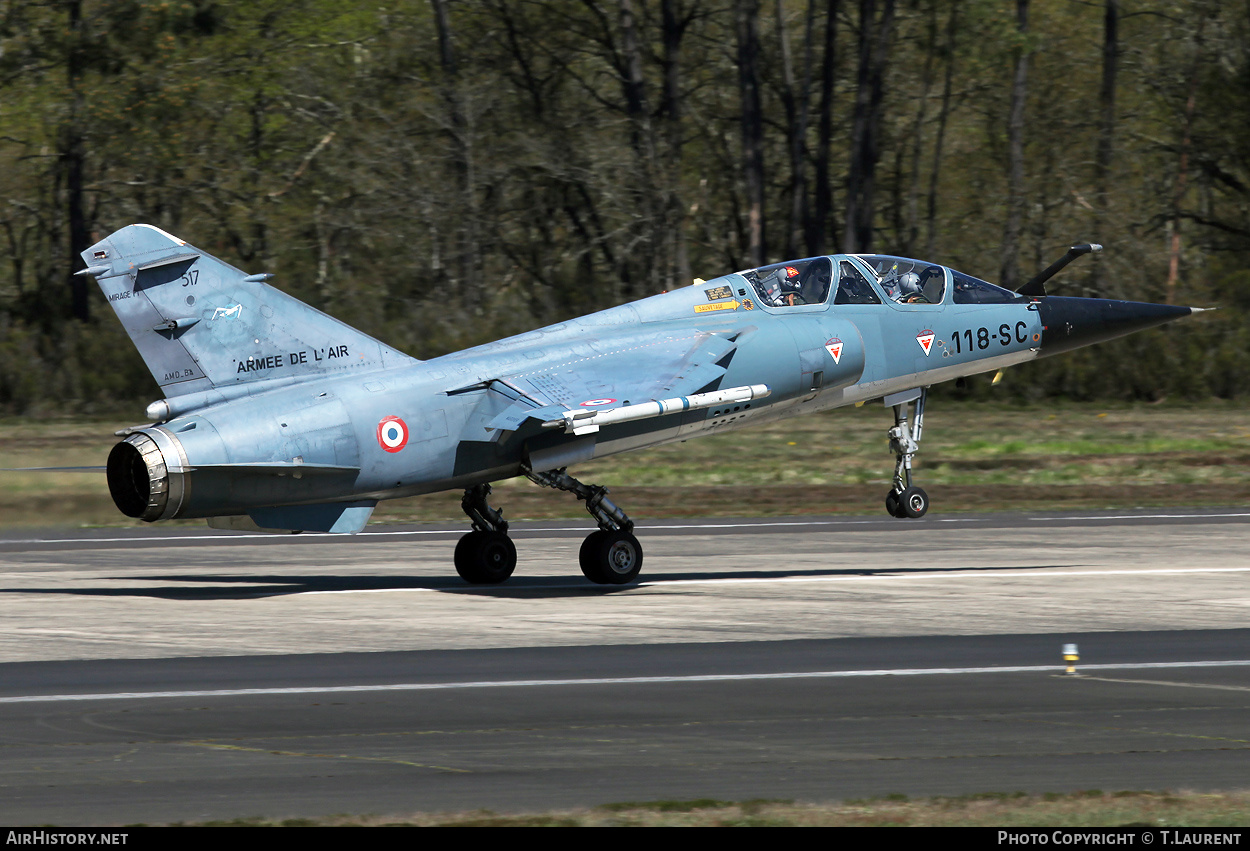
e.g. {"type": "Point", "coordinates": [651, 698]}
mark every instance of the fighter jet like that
{"type": "Point", "coordinates": [278, 417]}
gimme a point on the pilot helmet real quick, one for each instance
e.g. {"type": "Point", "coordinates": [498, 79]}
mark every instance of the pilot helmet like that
{"type": "Point", "coordinates": [909, 282]}
{"type": "Point", "coordinates": [790, 282]}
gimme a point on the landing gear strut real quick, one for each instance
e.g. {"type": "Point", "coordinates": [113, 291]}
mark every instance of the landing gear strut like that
{"type": "Point", "coordinates": [905, 499]}
{"type": "Point", "coordinates": [611, 555]}
{"type": "Point", "coordinates": [485, 556]}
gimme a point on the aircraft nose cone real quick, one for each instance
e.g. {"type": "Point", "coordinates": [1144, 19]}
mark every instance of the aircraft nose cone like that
{"type": "Point", "coordinates": [1069, 323]}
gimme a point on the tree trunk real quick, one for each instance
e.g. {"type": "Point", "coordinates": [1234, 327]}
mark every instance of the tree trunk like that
{"type": "Point", "coordinates": [1182, 177]}
{"type": "Point", "coordinates": [752, 126]}
{"type": "Point", "coordinates": [796, 98]}
{"type": "Point", "coordinates": [943, 116]}
{"type": "Point", "coordinates": [874, 39]}
{"type": "Point", "coordinates": [1010, 273]}
{"type": "Point", "coordinates": [72, 156]}
{"type": "Point", "coordinates": [469, 263]}
{"type": "Point", "coordinates": [673, 25]}
{"type": "Point", "coordinates": [650, 230]}
{"type": "Point", "coordinates": [818, 227]}
{"type": "Point", "coordinates": [912, 233]}
{"type": "Point", "coordinates": [1106, 133]}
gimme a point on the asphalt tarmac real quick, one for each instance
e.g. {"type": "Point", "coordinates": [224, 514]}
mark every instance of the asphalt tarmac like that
{"type": "Point", "coordinates": [157, 676]}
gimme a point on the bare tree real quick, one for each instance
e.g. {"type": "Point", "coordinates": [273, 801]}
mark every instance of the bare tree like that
{"type": "Point", "coordinates": [674, 21]}
{"type": "Point", "coordinates": [459, 133]}
{"type": "Point", "coordinates": [1106, 130]}
{"type": "Point", "coordinates": [1010, 271]}
{"type": "Point", "coordinates": [818, 226]}
{"type": "Point", "coordinates": [1182, 177]}
{"type": "Point", "coordinates": [874, 43]}
{"type": "Point", "coordinates": [752, 122]}
{"type": "Point", "coordinates": [944, 112]}
{"type": "Point", "coordinates": [796, 100]}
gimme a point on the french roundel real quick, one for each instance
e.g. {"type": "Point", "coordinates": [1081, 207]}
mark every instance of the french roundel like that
{"type": "Point", "coordinates": [392, 434]}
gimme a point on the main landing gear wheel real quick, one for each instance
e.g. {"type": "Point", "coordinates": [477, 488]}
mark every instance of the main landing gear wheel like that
{"type": "Point", "coordinates": [611, 557]}
{"type": "Point", "coordinates": [485, 558]}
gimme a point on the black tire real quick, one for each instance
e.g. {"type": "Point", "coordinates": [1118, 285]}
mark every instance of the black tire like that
{"type": "Point", "coordinates": [485, 558]}
{"type": "Point", "coordinates": [588, 554]}
{"type": "Point", "coordinates": [892, 505]}
{"type": "Point", "coordinates": [914, 502]}
{"type": "Point", "coordinates": [611, 558]}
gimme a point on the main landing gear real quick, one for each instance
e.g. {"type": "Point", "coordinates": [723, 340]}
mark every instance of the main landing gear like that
{"type": "Point", "coordinates": [905, 499]}
{"type": "Point", "coordinates": [609, 556]}
{"type": "Point", "coordinates": [485, 556]}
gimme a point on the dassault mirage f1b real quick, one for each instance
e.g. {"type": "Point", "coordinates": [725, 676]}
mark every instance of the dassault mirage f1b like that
{"type": "Point", "coordinates": [279, 417]}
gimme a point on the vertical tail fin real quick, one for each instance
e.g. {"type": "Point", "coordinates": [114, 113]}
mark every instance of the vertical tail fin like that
{"type": "Point", "coordinates": [201, 324]}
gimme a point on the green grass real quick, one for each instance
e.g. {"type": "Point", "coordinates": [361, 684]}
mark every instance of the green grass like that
{"type": "Point", "coordinates": [974, 456]}
{"type": "Point", "coordinates": [1090, 808]}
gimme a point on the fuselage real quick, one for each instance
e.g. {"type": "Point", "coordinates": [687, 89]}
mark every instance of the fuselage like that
{"type": "Point", "coordinates": [812, 357]}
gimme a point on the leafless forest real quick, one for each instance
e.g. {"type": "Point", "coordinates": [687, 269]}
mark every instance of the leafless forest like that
{"type": "Point", "coordinates": [443, 172]}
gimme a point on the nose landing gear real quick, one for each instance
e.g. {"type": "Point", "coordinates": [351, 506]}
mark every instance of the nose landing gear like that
{"type": "Point", "coordinates": [905, 499]}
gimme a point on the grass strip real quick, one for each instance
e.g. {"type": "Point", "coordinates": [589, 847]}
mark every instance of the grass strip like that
{"type": "Point", "coordinates": [975, 456]}
{"type": "Point", "coordinates": [1088, 808]}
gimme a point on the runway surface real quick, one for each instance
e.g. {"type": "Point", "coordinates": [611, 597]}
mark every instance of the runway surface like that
{"type": "Point", "coordinates": [155, 676]}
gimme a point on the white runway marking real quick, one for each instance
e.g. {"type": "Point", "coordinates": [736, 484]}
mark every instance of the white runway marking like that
{"type": "Point", "coordinates": [1143, 516]}
{"type": "Point", "coordinates": [270, 536]}
{"type": "Point", "coordinates": [703, 678]}
{"type": "Point", "coordinates": [948, 573]}
{"type": "Point", "coordinates": [537, 532]}
{"type": "Point", "coordinates": [945, 573]}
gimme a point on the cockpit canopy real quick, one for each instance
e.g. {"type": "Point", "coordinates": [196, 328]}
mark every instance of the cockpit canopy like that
{"type": "Point", "coordinates": [970, 290]}
{"type": "Point", "coordinates": [908, 281]}
{"type": "Point", "coordinates": [902, 280]}
{"type": "Point", "coordinates": [794, 283]}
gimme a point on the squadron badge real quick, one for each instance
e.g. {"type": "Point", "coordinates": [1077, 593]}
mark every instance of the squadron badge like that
{"type": "Point", "coordinates": [925, 339]}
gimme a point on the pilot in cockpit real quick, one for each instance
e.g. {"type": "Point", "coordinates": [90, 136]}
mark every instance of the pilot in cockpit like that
{"type": "Point", "coordinates": [912, 288]}
{"type": "Point", "coordinates": [906, 287]}
{"type": "Point", "coordinates": [781, 287]}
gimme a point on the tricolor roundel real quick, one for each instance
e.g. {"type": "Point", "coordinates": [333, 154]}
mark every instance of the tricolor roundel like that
{"type": "Point", "coordinates": [392, 434]}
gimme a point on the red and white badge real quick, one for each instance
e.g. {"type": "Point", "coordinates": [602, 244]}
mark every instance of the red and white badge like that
{"type": "Point", "coordinates": [834, 347]}
{"type": "Point", "coordinates": [392, 434]}
{"type": "Point", "coordinates": [594, 403]}
{"type": "Point", "coordinates": [925, 339]}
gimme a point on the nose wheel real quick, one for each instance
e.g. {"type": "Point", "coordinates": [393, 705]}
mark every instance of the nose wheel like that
{"type": "Point", "coordinates": [905, 500]}
{"type": "Point", "coordinates": [892, 505]}
{"type": "Point", "coordinates": [912, 503]}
